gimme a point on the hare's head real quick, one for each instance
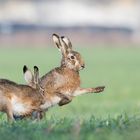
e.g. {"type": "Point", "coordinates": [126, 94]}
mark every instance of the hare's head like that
{"type": "Point", "coordinates": [32, 79]}
{"type": "Point", "coordinates": [70, 59]}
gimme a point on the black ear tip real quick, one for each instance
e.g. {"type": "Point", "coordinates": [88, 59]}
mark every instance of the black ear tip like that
{"type": "Point", "coordinates": [62, 37]}
{"type": "Point", "coordinates": [36, 68]}
{"type": "Point", "coordinates": [55, 35]}
{"type": "Point", "coordinates": [25, 68]}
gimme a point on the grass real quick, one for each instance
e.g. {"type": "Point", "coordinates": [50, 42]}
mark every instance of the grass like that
{"type": "Point", "coordinates": [121, 127]}
{"type": "Point", "coordinates": [115, 114]}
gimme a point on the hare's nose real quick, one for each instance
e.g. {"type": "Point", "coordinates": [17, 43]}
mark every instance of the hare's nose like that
{"type": "Point", "coordinates": [83, 66]}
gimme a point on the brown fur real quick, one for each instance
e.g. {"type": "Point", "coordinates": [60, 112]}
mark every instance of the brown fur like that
{"type": "Point", "coordinates": [20, 100]}
{"type": "Point", "coordinates": [52, 82]}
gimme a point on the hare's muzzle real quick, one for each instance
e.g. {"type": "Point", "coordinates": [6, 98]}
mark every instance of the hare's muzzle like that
{"type": "Point", "coordinates": [82, 66]}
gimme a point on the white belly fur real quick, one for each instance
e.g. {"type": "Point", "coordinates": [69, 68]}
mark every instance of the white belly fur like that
{"type": "Point", "coordinates": [54, 101]}
{"type": "Point", "coordinates": [18, 107]}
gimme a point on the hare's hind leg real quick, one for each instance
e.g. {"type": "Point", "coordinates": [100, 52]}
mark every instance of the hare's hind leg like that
{"type": "Point", "coordinates": [42, 114]}
{"type": "Point", "coordinates": [9, 113]}
{"type": "Point", "coordinates": [64, 99]}
{"type": "Point", "coordinates": [38, 115]}
{"type": "Point", "coordinates": [6, 107]}
{"type": "Point", "coordinates": [10, 116]}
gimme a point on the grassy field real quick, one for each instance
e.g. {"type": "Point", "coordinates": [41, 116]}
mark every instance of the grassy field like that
{"type": "Point", "coordinates": [112, 115]}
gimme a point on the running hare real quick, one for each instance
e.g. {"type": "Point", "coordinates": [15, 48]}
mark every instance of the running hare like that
{"type": "Point", "coordinates": [62, 83]}
{"type": "Point", "coordinates": [20, 100]}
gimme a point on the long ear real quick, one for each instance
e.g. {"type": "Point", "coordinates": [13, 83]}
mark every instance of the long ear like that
{"type": "Point", "coordinates": [28, 76]}
{"type": "Point", "coordinates": [36, 75]}
{"type": "Point", "coordinates": [56, 40]}
{"type": "Point", "coordinates": [59, 43]}
{"type": "Point", "coordinates": [67, 43]}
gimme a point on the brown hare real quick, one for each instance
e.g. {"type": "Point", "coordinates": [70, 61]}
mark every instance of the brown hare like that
{"type": "Point", "coordinates": [20, 100]}
{"type": "Point", "coordinates": [62, 83]}
{"type": "Point", "coordinates": [65, 80]}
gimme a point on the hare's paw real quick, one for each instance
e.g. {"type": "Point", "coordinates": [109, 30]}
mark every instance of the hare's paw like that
{"type": "Point", "coordinates": [99, 89]}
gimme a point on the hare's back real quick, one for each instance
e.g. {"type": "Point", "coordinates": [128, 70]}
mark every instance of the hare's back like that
{"type": "Point", "coordinates": [61, 79]}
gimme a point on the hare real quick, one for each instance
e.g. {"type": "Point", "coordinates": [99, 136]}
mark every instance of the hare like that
{"type": "Point", "coordinates": [65, 80]}
{"type": "Point", "coordinates": [20, 100]}
{"type": "Point", "coordinates": [62, 83]}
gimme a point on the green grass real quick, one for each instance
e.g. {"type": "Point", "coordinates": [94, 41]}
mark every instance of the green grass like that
{"type": "Point", "coordinates": [118, 128]}
{"type": "Point", "coordinates": [112, 115]}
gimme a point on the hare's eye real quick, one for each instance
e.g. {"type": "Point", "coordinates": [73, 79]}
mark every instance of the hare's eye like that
{"type": "Point", "coordinates": [72, 57]}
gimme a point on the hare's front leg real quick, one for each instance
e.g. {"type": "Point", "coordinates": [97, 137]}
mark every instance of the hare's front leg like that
{"type": "Point", "coordinates": [81, 91]}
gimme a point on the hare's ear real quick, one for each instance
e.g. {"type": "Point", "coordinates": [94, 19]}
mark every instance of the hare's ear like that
{"type": "Point", "coordinates": [59, 43]}
{"type": "Point", "coordinates": [56, 40]}
{"type": "Point", "coordinates": [28, 76]}
{"type": "Point", "coordinates": [36, 75]}
{"type": "Point", "coordinates": [67, 42]}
